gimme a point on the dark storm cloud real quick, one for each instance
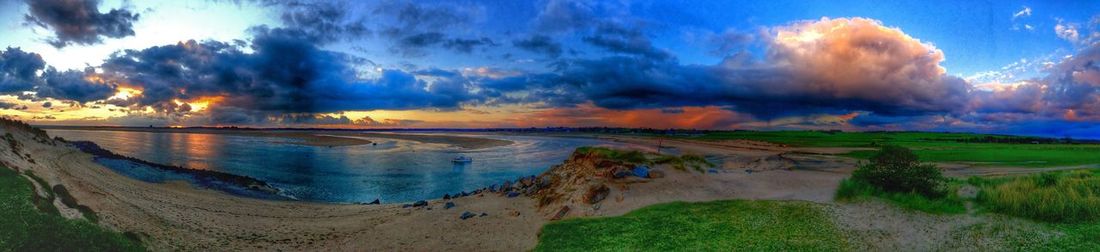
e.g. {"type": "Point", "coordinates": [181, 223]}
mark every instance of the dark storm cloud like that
{"type": "Point", "coordinates": [73, 85]}
{"type": "Point", "coordinates": [13, 106]}
{"type": "Point", "coordinates": [467, 45]}
{"type": "Point", "coordinates": [540, 44]}
{"type": "Point", "coordinates": [79, 21]}
{"type": "Point", "coordinates": [19, 70]}
{"type": "Point", "coordinates": [1074, 84]}
{"type": "Point", "coordinates": [323, 21]}
{"type": "Point", "coordinates": [619, 39]}
{"type": "Point", "coordinates": [285, 73]}
{"type": "Point", "coordinates": [416, 44]}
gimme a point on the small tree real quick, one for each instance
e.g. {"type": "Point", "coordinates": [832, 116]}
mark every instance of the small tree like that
{"type": "Point", "coordinates": [897, 169]}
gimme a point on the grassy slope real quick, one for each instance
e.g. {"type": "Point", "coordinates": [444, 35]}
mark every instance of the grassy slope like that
{"type": "Point", "coordinates": [708, 226]}
{"type": "Point", "coordinates": [24, 228]}
{"type": "Point", "coordinates": [932, 147]}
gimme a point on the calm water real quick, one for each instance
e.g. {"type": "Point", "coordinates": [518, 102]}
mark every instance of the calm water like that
{"type": "Point", "coordinates": [393, 170]}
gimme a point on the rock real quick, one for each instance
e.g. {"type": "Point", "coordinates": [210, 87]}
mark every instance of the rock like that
{"type": "Point", "coordinates": [596, 194]}
{"type": "Point", "coordinates": [620, 173]}
{"type": "Point", "coordinates": [375, 202]}
{"type": "Point", "coordinates": [484, 214]}
{"type": "Point", "coordinates": [464, 194]}
{"type": "Point", "coordinates": [507, 186]}
{"type": "Point", "coordinates": [466, 215]}
{"type": "Point", "coordinates": [406, 206]}
{"type": "Point", "coordinates": [712, 170]}
{"type": "Point", "coordinates": [448, 205]}
{"type": "Point", "coordinates": [420, 203]}
{"type": "Point", "coordinates": [545, 181]}
{"type": "Point", "coordinates": [656, 174]}
{"type": "Point", "coordinates": [527, 182]}
{"type": "Point", "coordinates": [513, 194]}
{"type": "Point", "coordinates": [561, 213]}
{"type": "Point", "coordinates": [446, 196]}
{"type": "Point", "coordinates": [641, 171]}
{"type": "Point", "coordinates": [493, 188]}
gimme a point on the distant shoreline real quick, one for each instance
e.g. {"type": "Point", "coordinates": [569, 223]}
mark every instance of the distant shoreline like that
{"type": "Point", "coordinates": [312, 137]}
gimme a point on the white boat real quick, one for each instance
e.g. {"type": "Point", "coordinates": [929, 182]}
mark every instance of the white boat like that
{"type": "Point", "coordinates": [462, 160]}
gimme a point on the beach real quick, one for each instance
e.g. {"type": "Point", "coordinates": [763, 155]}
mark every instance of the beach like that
{"type": "Point", "coordinates": [178, 216]}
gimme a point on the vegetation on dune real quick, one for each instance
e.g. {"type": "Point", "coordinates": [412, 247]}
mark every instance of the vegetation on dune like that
{"type": "Point", "coordinates": [707, 226]}
{"type": "Point", "coordinates": [895, 174]}
{"type": "Point", "coordinates": [979, 149]}
{"type": "Point", "coordinates": [1064, 197]}
{"type": "Point", "coordinates": [682, 162]}
{"type": "Point", "coordinates": [23, 227]}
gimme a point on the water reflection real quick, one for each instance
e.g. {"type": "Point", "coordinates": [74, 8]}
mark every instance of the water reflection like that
{"type": "Point", "coordinates": [392, 170]}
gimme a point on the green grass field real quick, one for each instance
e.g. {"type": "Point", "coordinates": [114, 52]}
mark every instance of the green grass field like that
{"type": "Point", "coordinates": [26, 226]}
{"type": "Point", "coordinates": [932, 147]}
{"type": "Point", "coordinates": [709, 226]}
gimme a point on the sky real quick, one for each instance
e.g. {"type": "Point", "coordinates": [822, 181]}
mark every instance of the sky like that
{"type": "Point", "coordinates": [1013, 67]}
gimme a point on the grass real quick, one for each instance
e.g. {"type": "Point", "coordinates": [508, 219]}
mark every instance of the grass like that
{"type": "Point", "coordinates": [682, 162]}
{"type": "Point", "coordinates": [23, 227]}
{"type": "Point", "coordinates": [852, 190]}
{"type": "Point", "coordinates": [932, 147]}
{"type": "Point", "coordinates": [706, 226]}
{"type": "Point", "coordinates": [1063, 197]}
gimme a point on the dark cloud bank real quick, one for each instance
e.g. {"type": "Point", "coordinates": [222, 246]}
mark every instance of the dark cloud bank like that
{"type": "Point", "coordinates": [79, 22]}
{"type": "Point", "coordinates": [857, 65]}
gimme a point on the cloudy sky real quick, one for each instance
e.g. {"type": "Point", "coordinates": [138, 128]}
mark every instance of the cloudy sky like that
{"type": "Point", "coordinates": [1019, 67]}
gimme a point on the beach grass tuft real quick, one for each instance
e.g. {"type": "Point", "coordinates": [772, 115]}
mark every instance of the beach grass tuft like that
{"type": "Point", "coordinates": [681, 162]}
{"type": "Point", "coordinates": [1064, 197]}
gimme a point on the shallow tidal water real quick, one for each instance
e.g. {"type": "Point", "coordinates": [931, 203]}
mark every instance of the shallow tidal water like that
{"type": "Point", "coordinates": [392, 171]}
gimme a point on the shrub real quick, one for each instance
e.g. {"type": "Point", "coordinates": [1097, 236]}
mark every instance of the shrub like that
{"type": "Point", "coordinates": [896, 169]}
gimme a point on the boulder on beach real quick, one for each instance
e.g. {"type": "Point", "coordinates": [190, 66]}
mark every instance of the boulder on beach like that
{"type": "Point", "coordinates": [375, 202]}
{"type": "Point", "coordinates": [420, 203]}
{"type": "Point", "coordinates": [596, 193]}
{"type": "Point", "coordinates": [448, 205]}
{"type": "Point", "coordinates": [513, 194]}
{"type": "Point", "coordinates": [466, 215]}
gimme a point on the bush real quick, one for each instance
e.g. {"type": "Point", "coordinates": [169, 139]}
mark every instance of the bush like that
{"type": "Point", "coordinates": [897, 169]}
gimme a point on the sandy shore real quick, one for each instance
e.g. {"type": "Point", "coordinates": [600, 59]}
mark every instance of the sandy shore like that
{"type": "Point", "coordinates": [177, 216]}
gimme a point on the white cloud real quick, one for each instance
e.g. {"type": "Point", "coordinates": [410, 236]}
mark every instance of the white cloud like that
{"type": "Point", "coordinates": [1026, 12]}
